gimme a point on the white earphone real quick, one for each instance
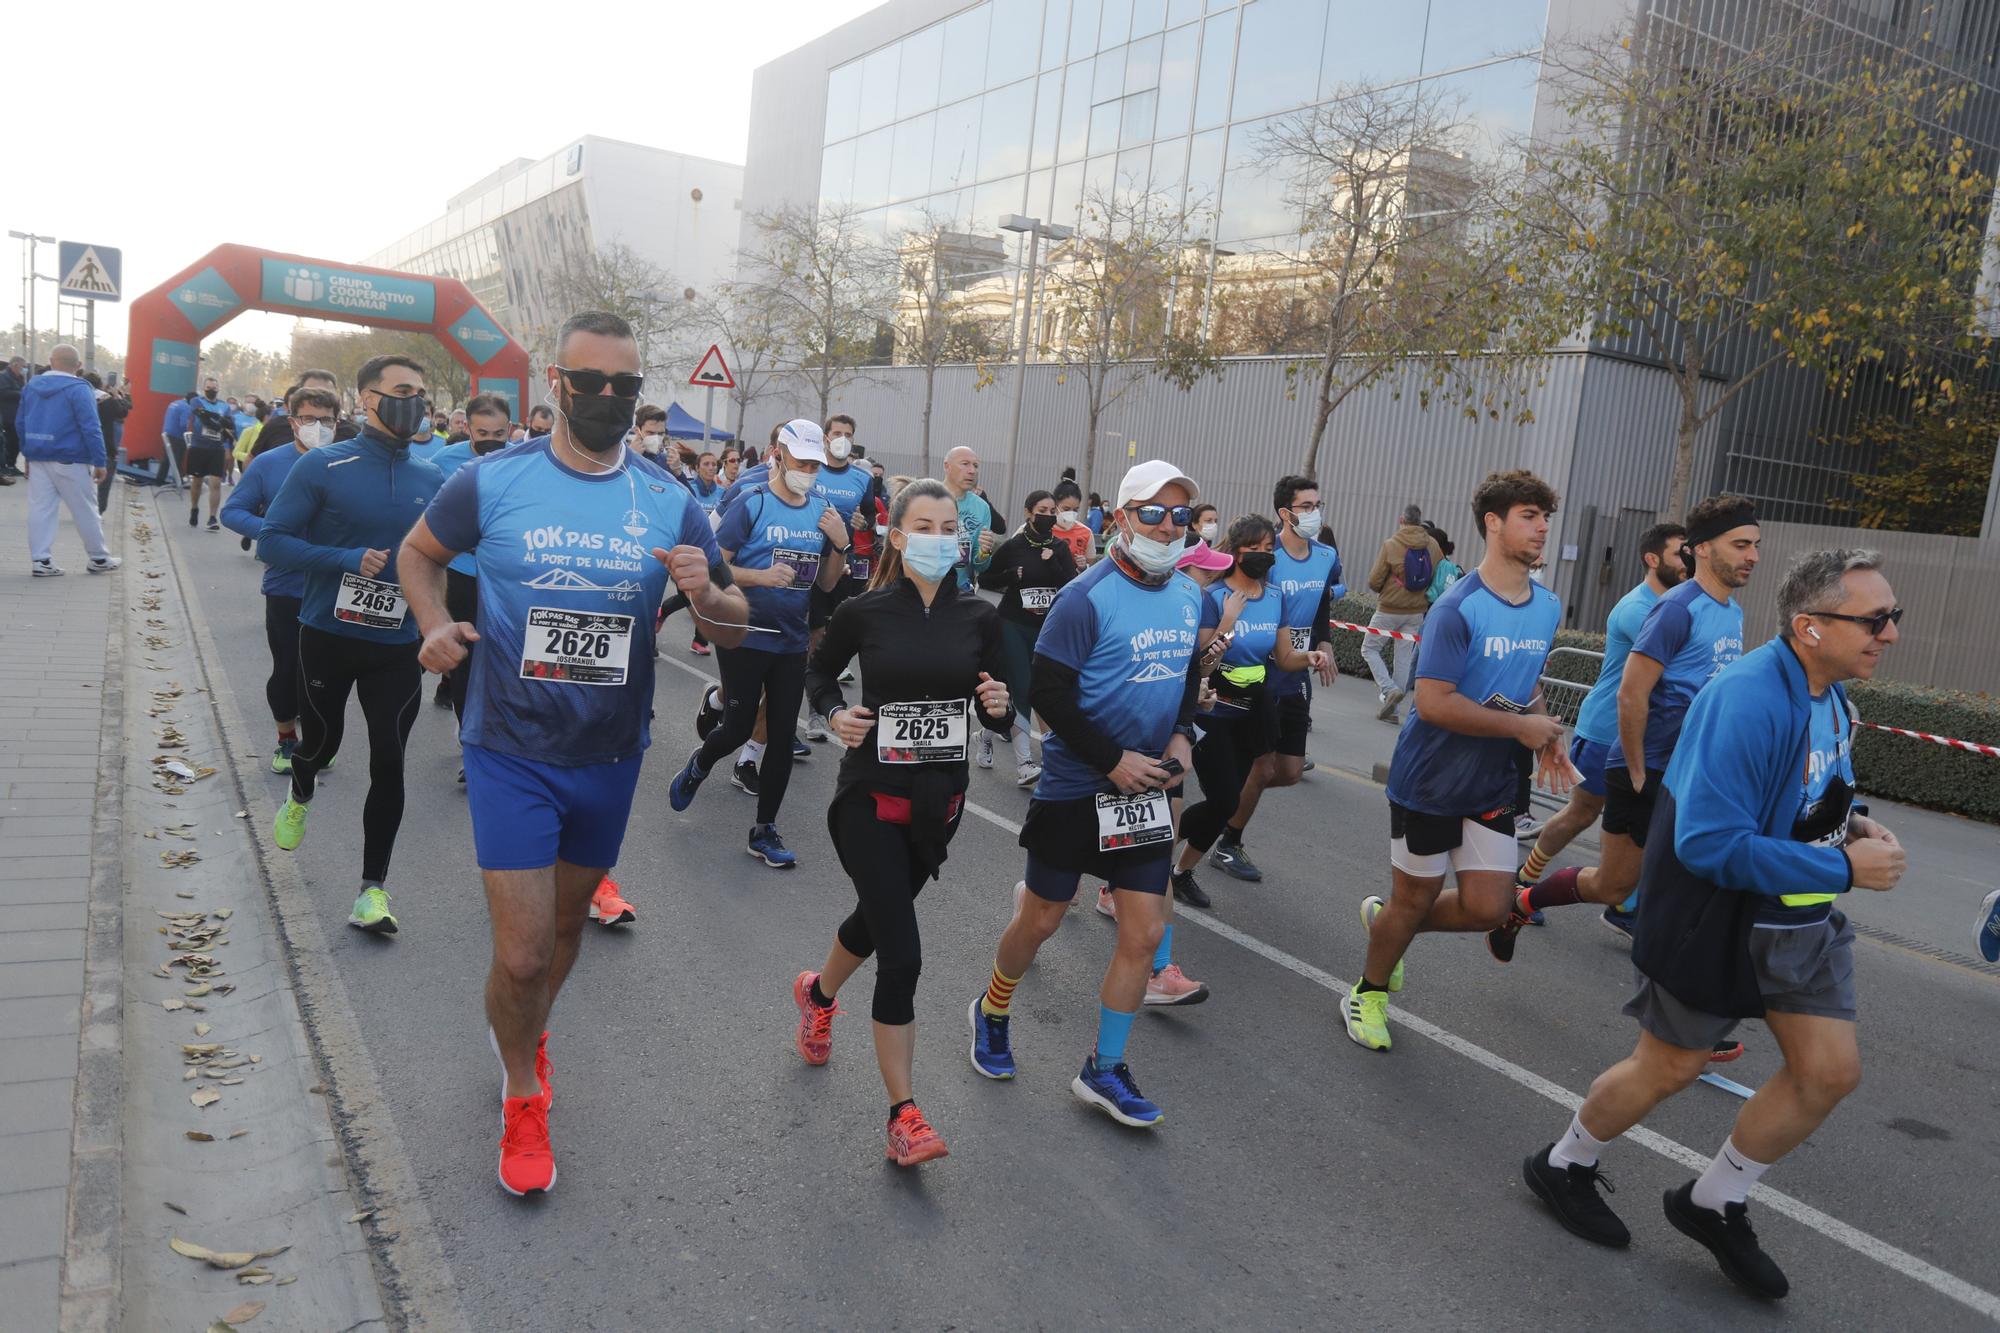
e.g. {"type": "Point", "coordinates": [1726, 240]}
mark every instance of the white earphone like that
{"type": "Point", "coordinates": [1814, 632]}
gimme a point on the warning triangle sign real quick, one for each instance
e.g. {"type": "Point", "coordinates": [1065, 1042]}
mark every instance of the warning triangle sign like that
{"type": "Point", "coordinates": [713, 372]}
{"type": "Point", "coordinates": [87, 275]}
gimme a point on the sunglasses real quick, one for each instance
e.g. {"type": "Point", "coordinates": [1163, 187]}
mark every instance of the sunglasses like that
{"type": "Point", "coordinates": [1873, 624]}
{"type": "Point", "coordinates": [1151, 514]}
{"type": "Point", "coordinates": [589, 382]}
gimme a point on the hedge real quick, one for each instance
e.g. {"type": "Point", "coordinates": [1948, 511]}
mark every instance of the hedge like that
{"type": "Point", "coordinates": [1895, 768]}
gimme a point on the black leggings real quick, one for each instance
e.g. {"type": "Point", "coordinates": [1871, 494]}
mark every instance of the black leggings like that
{"type": "Point", "coordinates": [1229, 746]}
{"type": "Point", "coordinates": [390, 685]}
{"type": "Point", "coordinates": [679, 602]}
{"type": "Point", "coordinates": [461, 602]}
{"type": "Point", "coordinates": [780, 680]}
{"type": "Point", "coordinates": [281, 632]}
{"type": "Point", "coordinates": [876, 856]}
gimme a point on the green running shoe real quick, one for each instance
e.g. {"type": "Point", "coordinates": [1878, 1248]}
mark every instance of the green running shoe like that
{"type": "Point", "coordinates": [1367, 1015]}
{"type": "Point", "coordinates": [281, 758]}
{"type": "Point", "coordinates": [288, 830]}
{"type": "Point", "coordinates": [1371, 906]}
{"type": "Point", "coordinates": [371, 912]}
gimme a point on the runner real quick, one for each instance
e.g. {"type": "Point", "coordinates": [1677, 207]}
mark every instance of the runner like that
{"type": "Point", "coordinates": [561, 529]}
{"type": "Point", "coordinates": [338, 519]}
{"type": "Point", "coordinates": [1687, 638]}
{"type": "Point", "coordinates": [277, 431]}
{"type": "Point", "coordinates": [1451, 780]}
{"type": "Point", "coordinates": [212, 430]}
{"type": "Point", "coordinates": [1027, 570]}
{"type": "Point", "coordinates": [486, 432]}
{"type": "Point", "coordinates": [844, 486]}
{"type": "Point", "coordinates": [312, 413]}
{"type": "Point", "coordinates": [1070, 526]}
{"type": "Point", "coordinates": [1307, 576]}
{"type": "Point", "coordinates": [1758, 838]}
{"type": "Point", "coordinates": [930, 659]}
{"type": "Point", "coordinates": [976, 521]}
{"type": "Point", "coordinates": [1597, 718]}
{"type": "Point", "coordinates": [779, 540]}
{"type": "Point", "coordinates": [1112, 677]}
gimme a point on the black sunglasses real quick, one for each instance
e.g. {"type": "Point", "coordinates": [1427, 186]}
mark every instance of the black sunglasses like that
{"type": "Point", "coordinates": [1151, 514]}
{"type": "Point", "coordinates": [589, 382]}
{"type": "Point", "coordinates": [1874, 624]}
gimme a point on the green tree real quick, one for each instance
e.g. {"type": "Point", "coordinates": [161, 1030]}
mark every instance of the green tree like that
{"type": "Point", "coordinates": [448, 383]}
{"type": "Point", "coordinates": [1931, 468]}
{"type": "Point", "coordinates": [1783, 198]}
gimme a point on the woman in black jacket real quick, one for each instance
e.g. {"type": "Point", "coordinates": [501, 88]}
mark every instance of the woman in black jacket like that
{"type": "Point", "coordinates": [1027, 571]}
{"type": "Point", "coordinates": [930, 667]}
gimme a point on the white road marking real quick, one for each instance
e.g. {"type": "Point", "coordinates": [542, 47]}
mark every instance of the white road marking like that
{"type": "Point", "coordinates": [1889, 1256]}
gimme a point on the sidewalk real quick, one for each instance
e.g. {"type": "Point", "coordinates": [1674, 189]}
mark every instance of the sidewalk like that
{"type": "Point", "coordinates": [56, 717]}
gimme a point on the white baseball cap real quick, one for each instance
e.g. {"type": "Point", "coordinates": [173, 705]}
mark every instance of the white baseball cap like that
{"type": "Point", "coordinates": [1148, 479]}
{"type": "Point", "coordinates": [803, 441]}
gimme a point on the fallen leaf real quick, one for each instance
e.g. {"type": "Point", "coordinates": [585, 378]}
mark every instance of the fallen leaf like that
{"type": "Point", "coordinates": [171, 1005]}
{"type": "Point", "coordinates": [221, 1326]}
{"type": "Point", "coordinates": [198, 991]}
{"type": "Point", "coordinates": [199, 1137]}
{"type": "Point", "coordinates": [203, 1029]}
{"type": "Point", "coordinates": [362, 1216]}
{"type": "Point", "coordinates": [229, 1082]}
{"type": "Point", "coordinates": [239, 1133]}
{"type": "Point", "coordinates": [176, 1207]}
{"type": "Point", "coordinates": [253, 1279]}
{"type": "Point", "coordinates": [189, 1248]}
{"type": "Point", "coordinates": [223, 913]}
{"type": "Point", "coordinates": [288, 1281]}
{"type": "Point", "coordinates": [206, 1097]}
{"type": "Point", "coordinates": [270, 1254]}
{"type": "Point", "coordinates": [243, 814]}
{"type": "Point", "coordinates": [234, 1259]}
{"type": "Point", "coordinates": [245, 1312]}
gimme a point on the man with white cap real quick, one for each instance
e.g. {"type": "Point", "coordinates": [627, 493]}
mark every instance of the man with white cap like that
{"type": "Point", "coordinates": [780, 541]}
{"type": "Point", "coordinates": [1112, 678]}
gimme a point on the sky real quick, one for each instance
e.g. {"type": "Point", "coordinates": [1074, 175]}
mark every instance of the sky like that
{"type": "Point", "coordinates": [166, 130]}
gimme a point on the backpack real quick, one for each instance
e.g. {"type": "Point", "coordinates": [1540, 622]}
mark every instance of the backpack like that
{"type": "Point", "coordinates": [1447, 574]}
{"type": "Point", "coordinates": [1417, 569]}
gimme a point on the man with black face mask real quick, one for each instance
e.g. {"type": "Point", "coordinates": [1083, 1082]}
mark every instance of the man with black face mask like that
{"type": "Point", "coordinates": [214, 431]}
{"type": "Point", "coordinates": [338, 519]}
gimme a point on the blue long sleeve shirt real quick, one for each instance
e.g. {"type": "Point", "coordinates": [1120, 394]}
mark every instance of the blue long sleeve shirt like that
{"type": "Point", "coordinates": [340, 501]}
{"type": "Point", "coordinates": [243, 512]}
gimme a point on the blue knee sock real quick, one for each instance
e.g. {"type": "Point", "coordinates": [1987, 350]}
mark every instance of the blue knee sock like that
{"type": "Point", "coordinates": [1165, 953]}
{"type": "Point", "coordinates": [1112, 1030]}
{"type": "Point", "coordinates": [1631, 903]}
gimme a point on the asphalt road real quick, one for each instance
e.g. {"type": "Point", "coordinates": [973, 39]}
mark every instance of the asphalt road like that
{"type": "Point", "coordinates": [710, 1179]}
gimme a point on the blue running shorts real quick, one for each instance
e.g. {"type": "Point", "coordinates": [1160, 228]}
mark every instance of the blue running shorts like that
{"type": "Point", "coordinates": [526, 815]}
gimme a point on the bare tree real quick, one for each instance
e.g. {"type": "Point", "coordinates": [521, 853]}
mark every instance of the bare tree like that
{"type": "Point", "coordinates": [665, 316]}
{"type": "Point", "coordinates": [936, 263]}
{"type": "Point", "coordinates": [821, 275]}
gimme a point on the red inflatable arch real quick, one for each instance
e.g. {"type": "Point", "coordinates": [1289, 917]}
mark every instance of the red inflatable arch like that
{"type": "Point", "coordinates": [169, 322]}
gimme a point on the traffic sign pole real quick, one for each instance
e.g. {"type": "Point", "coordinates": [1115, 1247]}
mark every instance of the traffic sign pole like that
{"type": "Point", "coordinates": [707, 415]}
{"type": "Point", "coordinates": [711, 373]}
{"type": "Point", "coordinates": [90, 334]}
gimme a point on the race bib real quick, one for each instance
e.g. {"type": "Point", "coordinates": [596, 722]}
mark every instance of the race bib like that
{"type": "Point", "coordinates": [1125, 822]}
{"type": "Point", "coordinates": [930, 731]}
{"type": "Point", "coordinates": [1302, 638]}
{"type": "Point", "coordinates": [1037, 599]}
{"type": "Point", "coordinates": [858, 566]}
{"type": "Point", "coordinates": [803, 564]}
{"type": "Point", "coordinates": [965, 549]}
{"type": "Point", "coordinates": [369, 603]}
{"type": "Point", "coordinates": [576, 647]}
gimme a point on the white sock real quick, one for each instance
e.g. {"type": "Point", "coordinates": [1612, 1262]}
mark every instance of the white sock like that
{"type": "Point", "coordinates": [1728, 1178]}
{"type": "Point", "coordinates": [1022, 755]}
{"type": "Point", "coordinates": [1576, 1147]}
{"type": "Point", "coordinates": [751, 753]}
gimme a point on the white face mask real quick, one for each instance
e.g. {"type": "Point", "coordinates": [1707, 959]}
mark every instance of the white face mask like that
{"type": "Point", "coordinates": [796, 481]}
{"type": "Point", "coordinates": [1065, 518]}
{"type": "Point", "coordinates": [313, 434]}
{"type": "Point", "coordinates": [838, 447]}
{"type": "Point", "coordinates": [1307, 525]}
{"type": "Point", "coordinates": [1208, 533]}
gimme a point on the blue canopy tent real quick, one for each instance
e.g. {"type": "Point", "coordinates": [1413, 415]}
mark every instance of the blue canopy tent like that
{"type": "Point", "coordinates": [685, 425]}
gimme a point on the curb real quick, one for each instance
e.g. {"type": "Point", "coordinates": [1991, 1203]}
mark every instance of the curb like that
{"type": "Point", "coordinates": [410, 1265]}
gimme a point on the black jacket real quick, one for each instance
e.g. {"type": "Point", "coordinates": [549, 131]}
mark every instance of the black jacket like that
{"type": "Point", "coordinates": [1021, 562]}
{"type": "Point", "coordinates": [278, 430]}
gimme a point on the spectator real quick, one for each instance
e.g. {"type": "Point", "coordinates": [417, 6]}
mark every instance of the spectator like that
{"type": "Point", "coordinates": [64, 446]}
{"type": "Point", "coordinates": [1401, 579]}
{"type": "Point", "coordinates": [12, 381]}
{"type": "Point", "coordinates": [112, 409]}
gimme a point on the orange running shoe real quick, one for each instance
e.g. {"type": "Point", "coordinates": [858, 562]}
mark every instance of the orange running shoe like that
{"type": "Point", "coordinates": [814, 1038]}
{"type": "Point", "coordinates": [527, 1162]}
{"type": "Point", "coordinates": [607, 907]}
{"type": "Point", "coordinates": [911, 1138]}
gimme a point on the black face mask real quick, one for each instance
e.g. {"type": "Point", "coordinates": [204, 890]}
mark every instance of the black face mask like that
{"type": "Point", "coordinates": [401, 417]}
{"type": "Point", "coordinates": [208, 394]}
{"type": "Point", "coordinates": [599, 421]}
{"type": "Point", "coordinates": [1256, 564]}
{"type": "Point", "coordinates": [1043, 524]}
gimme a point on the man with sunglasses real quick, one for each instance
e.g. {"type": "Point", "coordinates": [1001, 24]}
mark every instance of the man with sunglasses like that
{"type": "Point", "coordinates": [1755, 837]}
{"type": "Point", "coordinates": [1692, 632]}
{"type": "Point", "coordinates": [338, 520]}
{"type": "Point", "coordinates": [1113, 679]}
{"type": "Point", "coordinates": [575, 538]}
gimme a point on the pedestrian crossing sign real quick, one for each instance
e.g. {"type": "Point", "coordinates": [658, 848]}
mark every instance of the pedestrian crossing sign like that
{"type": "Point", "coordinates": [91, 272]}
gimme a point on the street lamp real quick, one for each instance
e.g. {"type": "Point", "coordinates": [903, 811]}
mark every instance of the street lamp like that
{"type": "Point", "coordinates": [28, 275]}
{"type": "Point", "coordinates": [1036, 229]}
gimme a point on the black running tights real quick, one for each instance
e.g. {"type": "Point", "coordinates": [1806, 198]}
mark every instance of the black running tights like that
{"type": "Point", "coordinates": [281, 632]}
{"type": "Point", "coordinates": [780, 680]}
{"type": "Point", "coordinates": [390, 685]}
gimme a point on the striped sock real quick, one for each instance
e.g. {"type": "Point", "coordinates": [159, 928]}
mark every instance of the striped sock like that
{"type": "Point", "coordinates": [1536, 866]}
{"type": "Point", "coordinates": [999, 994]}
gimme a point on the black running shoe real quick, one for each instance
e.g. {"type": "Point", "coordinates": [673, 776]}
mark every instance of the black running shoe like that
{"type": "Point", "coordinates": [1500, 943]}
{"type": "Point", "coordinates": [1189, 893]}
{"type": "Point", "coordinates": [744, 778]}
{"type": "Point", "coordinates": [1572, 1192]}
{"type": "Point", "coordinates": [1728, 1236]}
{"type": "Point", "coordinates": [1233, 861]}
{"type": "Point", "coordinates": [707, 717]}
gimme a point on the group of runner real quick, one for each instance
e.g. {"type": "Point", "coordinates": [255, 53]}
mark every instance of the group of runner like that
{"type": "Point", "coordinates": [534, 576]}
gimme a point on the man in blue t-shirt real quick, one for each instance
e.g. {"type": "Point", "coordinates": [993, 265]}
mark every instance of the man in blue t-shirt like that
{"type": "Point", "coordinates": [1597, 719]}
{"type": "Point", "coordinates": [1453, 776]}
{"type": "Point", "coordinates": [1112, 678]}
{"type": "Point", "coordinates": [575, 538]}
{"type": "Point", "coordinates": [1691, 633]}
{"type": "Point", "coordinates": [781, 540]}
{"type": "Point", "coordinates": [846, 486]}
{"type": "Point", "coordinates": [486, 422]}
{"type": "Point", "coordinates": [976, 538]}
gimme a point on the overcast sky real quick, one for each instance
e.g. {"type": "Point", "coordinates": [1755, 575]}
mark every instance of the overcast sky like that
{"type": "Point", "coordinates": [166, 130]}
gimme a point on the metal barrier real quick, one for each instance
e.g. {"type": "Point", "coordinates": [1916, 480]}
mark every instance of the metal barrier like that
{"type": "Point", "coordinates": [1565, 698]}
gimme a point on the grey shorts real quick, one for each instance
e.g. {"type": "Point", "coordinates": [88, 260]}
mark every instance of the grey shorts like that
{"type": "Point", "coordinates": [1804, 971]}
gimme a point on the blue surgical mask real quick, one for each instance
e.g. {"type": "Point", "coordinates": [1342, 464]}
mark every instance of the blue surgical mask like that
{"type": "Point", "coordinates": [930, 555]}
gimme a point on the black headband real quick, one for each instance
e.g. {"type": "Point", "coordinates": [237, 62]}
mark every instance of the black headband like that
{"type": "Point", "coordinates": [1714, 525]}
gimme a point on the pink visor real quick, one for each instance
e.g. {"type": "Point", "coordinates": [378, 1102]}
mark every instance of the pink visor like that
{"type": "Point", "coordinates": [1203, 556]}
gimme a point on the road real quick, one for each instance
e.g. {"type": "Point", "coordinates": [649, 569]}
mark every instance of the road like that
{"type": "Point", "coordinates": [710, 1179]}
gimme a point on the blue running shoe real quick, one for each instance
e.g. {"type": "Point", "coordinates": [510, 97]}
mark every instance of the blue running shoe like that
{"type": "Point", "coordinates": [991, 1054]}
{"type": "Point", "coordinates": [1535, 918]}
{"type": "Point", "coordinates": [1989, 927]}
{"type": "Point", "coordinates": [1113, 1092]}
{"type": "Point", "coordinates": [767, 846]}
{"type": "Point", "coordinates": [800, 750]}
{"type": "Point", "coordinates": [680, 792]}
{"type": "Point", "coordinates": [1622, 922]}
